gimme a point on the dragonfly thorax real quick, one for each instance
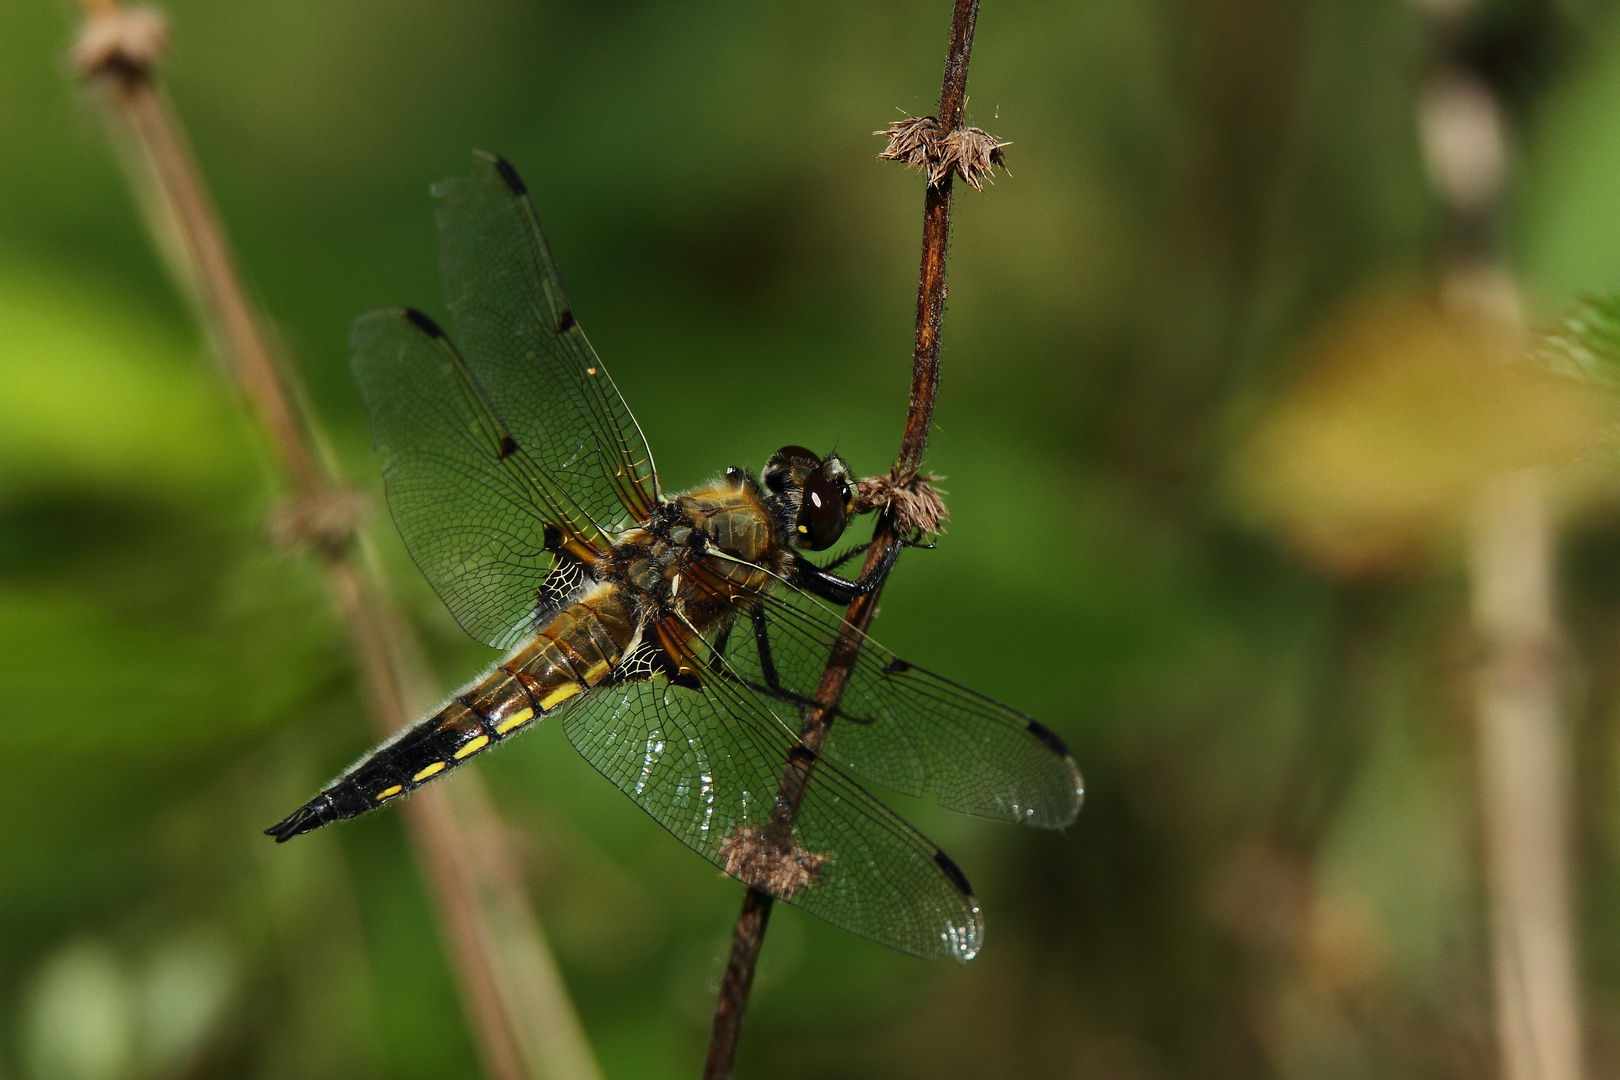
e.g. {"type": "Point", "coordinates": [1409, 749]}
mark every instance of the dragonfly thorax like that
{"type": "Point", "coordinates": [704, 554]}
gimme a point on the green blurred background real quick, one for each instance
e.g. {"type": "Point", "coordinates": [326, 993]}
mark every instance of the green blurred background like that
{"type": "Point", "coordinates": [1276, 872]}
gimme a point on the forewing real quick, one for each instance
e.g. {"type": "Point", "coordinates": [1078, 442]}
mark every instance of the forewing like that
{"type": "Point", "coordinates": [707, 764]}
{"type": "Point", "coordinates": [471, 505]}
{"type": "Point", "coordinates": [907, 728]}
{"type": "Point", "coordinates": [514, 325]}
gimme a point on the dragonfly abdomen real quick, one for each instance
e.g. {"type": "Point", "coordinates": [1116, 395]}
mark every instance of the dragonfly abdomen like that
{"type": "Point", "coordinates": [571, 655]}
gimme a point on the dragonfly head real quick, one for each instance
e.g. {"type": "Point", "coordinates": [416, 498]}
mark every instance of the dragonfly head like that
{"type": "Point", "coordinates": [812, 494]}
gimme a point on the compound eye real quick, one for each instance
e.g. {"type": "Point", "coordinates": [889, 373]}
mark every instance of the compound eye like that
{"type": "Point", "coordinates": [787, 466]}
{"type": "Point", "coordinates": [838, 473]}
{"type": "Point", "coordinates": [822, 513]}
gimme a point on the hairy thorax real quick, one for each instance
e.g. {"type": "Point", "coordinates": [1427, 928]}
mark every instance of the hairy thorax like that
{"type": "Point", "coordinates": [700, 558]}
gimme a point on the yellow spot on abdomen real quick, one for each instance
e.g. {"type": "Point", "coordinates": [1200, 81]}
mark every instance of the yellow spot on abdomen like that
{"type": "Point", "coordinates": [560, 695]}
{"type": "Point", "coordinates": [597, 670]}
{"type": "Point", "coordinates": [522, 716]}
{"type": "Point", "coordinates": [432, 770]}
{"type": "Point", "coordinates": [472, 747]}
{"type": "Point", "coordinates": [390, 793]}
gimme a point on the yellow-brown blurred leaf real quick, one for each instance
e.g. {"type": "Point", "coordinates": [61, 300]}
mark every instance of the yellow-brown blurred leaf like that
{"type": "Point", "coordinates": [1400, 410]}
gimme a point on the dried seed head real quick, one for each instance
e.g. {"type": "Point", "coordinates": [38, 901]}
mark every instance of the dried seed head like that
{"type": "Point", "coordinates": [753, 856]}
{"type": "Point", "coordinates": [325, 519]}
{"type": "Point", "coordinates": [970, 153]}
{"type": "Point", "coordinates": [913, 500]}
{"type": "Point", "coordinates": [127, 38]}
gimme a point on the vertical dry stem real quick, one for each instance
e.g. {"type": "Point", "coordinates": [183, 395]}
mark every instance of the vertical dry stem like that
{"type": "Point", "coordinates": [1523, 769]}
{"type": "Point", "coordinates": [1523, 782]}
{"type": "Point", "coordinates": [523, 1022]}
{"type": "Point", "coordinates": [751, 923]}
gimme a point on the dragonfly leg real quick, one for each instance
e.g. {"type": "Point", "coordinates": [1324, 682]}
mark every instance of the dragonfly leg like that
{"type": "Point", "coordinates": [772, 686]}
{"type": "Point", "coordinates": [846, 556]}
{"type": "Point", "coordinates": [905, 541]}
{"type": "Point", "coordinates": [829, 586]}
{"type": "Point", "coordinates": [762, 641]}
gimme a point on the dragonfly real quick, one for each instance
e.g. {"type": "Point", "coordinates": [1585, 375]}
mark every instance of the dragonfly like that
{"type": "Point", "coordinates": [679, 639]}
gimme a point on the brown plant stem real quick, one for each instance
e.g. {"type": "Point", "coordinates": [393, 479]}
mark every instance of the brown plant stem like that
{"type": "Point", "coordinates": [523, 1024]}
{"type": "Point", "coordinates": [747, 940]}
{"type": "Point", "coordinates": [751, 923]}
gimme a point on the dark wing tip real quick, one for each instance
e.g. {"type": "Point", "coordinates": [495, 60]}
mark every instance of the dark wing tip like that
{"type": "Point", "coordinates": [307, 818]}
{"type": "Point", "coordinates": [1048, 738]}
{"type": "Point", "coordinates": [953, 872]}
{"type": "Point", "coordinates": [423, 323]}
{"type": "Point", "coordinates": [508, 174]}
{"type": "Point", "coordinates": [1076, 791]}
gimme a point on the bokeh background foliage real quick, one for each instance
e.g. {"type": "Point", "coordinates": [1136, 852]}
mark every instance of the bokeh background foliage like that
{"type": "Point", "coordinates": [1217, 212]}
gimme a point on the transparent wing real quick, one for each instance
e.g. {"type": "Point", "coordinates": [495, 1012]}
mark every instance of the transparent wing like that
{"type": "Point", "coordinates": [707, 765]}
{"type": "Point", "coordinates": [904, 727]}
{"type": "Point", "coordinates": [487, 525]}
{"type": "Point", "coordinates": [523, 346]}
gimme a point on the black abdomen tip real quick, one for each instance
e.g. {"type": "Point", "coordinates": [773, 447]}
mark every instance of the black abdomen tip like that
{"type": "Point", "coordinates": [307, 818]}
{"type": "Point", "coordinates": [423, 323]}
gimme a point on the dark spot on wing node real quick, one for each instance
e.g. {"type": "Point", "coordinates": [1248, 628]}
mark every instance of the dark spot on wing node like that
{"type": "Point", "coordinates": [509, 446]}
{"type": "Point", "coordinates": [1048, 738]}
{"type": "Point", "coordinates": [896, 666]}
{"type": "Point", "coordinates": [509, 174]}
{"type": "Point", "coordinates": [954, 872]}
{"type": "Point", "coordinates": [423, 323]}
{"type": "Point", "coordinates": [801, 752]}
{"type": "Point", "coordinates": [552, 537]}
{"type": "Point", "coordinates": [565, 322]}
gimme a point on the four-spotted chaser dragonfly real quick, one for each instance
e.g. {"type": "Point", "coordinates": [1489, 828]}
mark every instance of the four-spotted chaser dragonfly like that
{"type": "Point", "coordinates": [679, 639]}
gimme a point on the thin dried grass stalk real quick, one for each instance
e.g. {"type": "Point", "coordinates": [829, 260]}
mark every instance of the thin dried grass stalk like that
{"type": "Point", "coordinates": [520, 1016]}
